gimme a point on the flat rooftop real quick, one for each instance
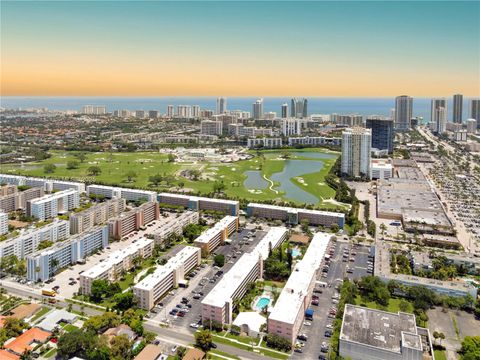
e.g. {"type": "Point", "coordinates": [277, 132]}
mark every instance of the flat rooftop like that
{"type": "Point", "coordinates": [293, 294]}
{"type": "Point", "coordinates": [208, 234]}
{"type": "Point", "coordinates": [198, 198]}
{"type": "Point", "coordinates": [296, 210]}
{"type": "Point", "coordinates": [273, 237]}
{"type": "Point", "coordinates": [56, 195]}
{"type": "Point", "coordinates": [116, 257]}
{"type": "Point", "coordinates": [379, 329]}
{"type": "Point", "coordinates": [162, 271]}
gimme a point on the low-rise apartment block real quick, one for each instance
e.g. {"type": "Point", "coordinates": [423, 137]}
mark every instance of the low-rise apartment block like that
{"type": "Point", "coordinates": [218, 304]}
{"type": "Point", "coordinates": [314, 141]}
{"type": "Point", "coordinates": [50, 205]}
{"type": "Point", "coordinates": [3, 223]}
{"type": "Point", "coordinates": [48, 185]}
{"type": "Point", "coordinates": [27, 242]}
{"type": "Point", "coordinates": [18, 200]}
{"type": "Point", "coordinates": [369, 334]}
{"type": "Point", "coordinates": [7, 189]}
{"type": "Point", "coordinates": [296, 215]}
{"type": "Point", "coordinates": [124, 193]}
{"type": "Point", "coordinates": [43, 264]}
{"type": "Point", "coordinates": [133, 220]}
{"type": "Point", "coordinates": [210, 239]}
{"type": "Point", "coordinates": [96, 215]}
{"type": "Point", "coordinates": [383, 271]}
{"type": "Point", "coordinates": [118, 262]}
{"type": "Point", "coordinates": [197, 203]}
{"type": "Point", "coordinates": [287, 315]}
{"type": "Point", "coordinates": [175, 225]}
{"type": "Point", "coordinates": [151, 289]}
{"type": "Point", "coordinates": [266, 142]}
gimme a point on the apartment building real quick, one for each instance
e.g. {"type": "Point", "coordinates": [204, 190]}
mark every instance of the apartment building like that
{"type": "Point", "coordinates": [134, 219]}
{"type": "Point", "coordinates": [118, 262]}
{"type": "Point", "coordinates": [314, 141]}
{"type": "Point", "coordinates": [296, 215]}
{"type": "Point", "coordinates": [197, 203]}
{"type": "Point", "coordinates": [3, 223]}
{"type": "Point", "coordinates": [7, 189]}
{"type": "Point", "coordinates": [124, 193]}
{"type": "Point", "coordinates": [266, 142]}
{"type": "Point", "coordinates": [175, 225]}
{"type": "Point", "coordinates": [27, 242]}
{"type": "Point", "coordinates": [18, 200]}
{"type": "Point", "coordinates": [151, 289]}
{"type": "Point", "coordinates": [218, 304]}
{"type": "Point", "coordinates": [43, 264]}
{"type": "Point", "coordinates": [210, 239]}
{"type": "Point", "coordinates": [211, 127]}
{"type": "Point", "coordinates": [48, 185]}
{"type": "Point", "coordinates": [50, 205]}
{"type": "Point", "coordinates": [286, 317]}
{"type": "Point", "coordinates": [96, 215]}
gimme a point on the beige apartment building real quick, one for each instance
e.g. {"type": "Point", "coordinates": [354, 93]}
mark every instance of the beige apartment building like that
{"type": "Point", "coordinates": [96, 215]}
{"type": "Point", "coordinates": [210, 239]}
{"type": "Point", "coordinates": [133, 220]}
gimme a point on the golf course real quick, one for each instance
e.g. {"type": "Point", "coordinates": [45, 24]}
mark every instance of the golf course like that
{"type": "Point", "coordinates": [295, 175]}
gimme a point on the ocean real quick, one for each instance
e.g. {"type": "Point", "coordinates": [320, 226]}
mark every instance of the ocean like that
{"type": "Point", "coordinates": [316, 105]}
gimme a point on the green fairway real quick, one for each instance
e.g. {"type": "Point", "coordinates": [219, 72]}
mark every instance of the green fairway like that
{"type": "Point", "coordinates": [115, 166]}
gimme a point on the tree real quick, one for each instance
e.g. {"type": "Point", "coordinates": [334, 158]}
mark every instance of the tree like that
{"type": "Point", "coordinates": [203, 339]}
{"type": "Point", "coordinates": [120, 347]}
{"type": "Point", "coordinates": [49, 168]}
{"type": "Point", "coordinates": [94, 170]}
{"type": "Point", "coordinates": [99, 288]}
{"type": "Point", "coordinates": [404, 306]}
{"type": "Point", "coordinates": [130, 175]}
{"type": "Point", "coordinates": [72, 164]}
{"type": "Point", "coordinates": [155, 179]}
{"type": "Point", "coordinates": [470, 349]}
{"type": "Point", "coordinates": [277, 342]}
{"type": "Point", "coordinates": [195, 174]}
{"type": "Point", "coordinates": [81, 156]}
{"type": "Point", "coordinates": [218, 186]}
{"type": "Point", "coordinates": [123, 301]}
{"type": "Point", "coordinates": [219, 260]}
{"type": "Point", "coordinates": [171, 158]}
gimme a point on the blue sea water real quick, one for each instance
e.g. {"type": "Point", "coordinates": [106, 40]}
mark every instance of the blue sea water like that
{"type": "Point", "coordinates": [316, 105]}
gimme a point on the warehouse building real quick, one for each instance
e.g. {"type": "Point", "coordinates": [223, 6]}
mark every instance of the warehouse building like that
{"type": "Point", "coordinates": [296, 215]}
{"type": "Point", "coordinates": [171, 275]}
{"type": "Point", "coordinates": [27, 242]}
{"type": "Point", "coordinates": [51, 205]}
{"type": "Point", "coordinates": [133, 220]}
{"type": "Point", "coordinates": [43, 264]}
{"type": "Point", "coordinates": [196, 203]}
{"type": "Point", "coordinates": [218, 304]}
{"type": "Point", "coordinates": [210, 239]}
{"type": "Point", "coordinates": [369, 334]}
{"type": "Point", "coordinates": [287, 315]}
{"type": "Point", "coordinates": [118, 262]}
{"type": "Point", "coordinates": [96, 215]}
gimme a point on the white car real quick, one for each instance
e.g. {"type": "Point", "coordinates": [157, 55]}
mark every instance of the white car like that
{"type": "Point", "coordinates": [307, 323]}
{"type": "Point", "coordinates": [194, 325]}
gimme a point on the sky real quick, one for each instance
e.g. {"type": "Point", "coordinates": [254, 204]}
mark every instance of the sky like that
{"type": "Point", "coordinates": [230, 48]}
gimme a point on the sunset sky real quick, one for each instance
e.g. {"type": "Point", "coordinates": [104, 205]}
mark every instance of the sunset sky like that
{"type": "Point", "coordinates": [240, 48]}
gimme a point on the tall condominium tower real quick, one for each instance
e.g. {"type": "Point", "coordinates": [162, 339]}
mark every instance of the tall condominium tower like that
{"type": "Point", "coordinates": [170, 112]}
{"type": "Point", "coordinates": [403, 112]}
{"type": "Point", "coordinates": [284, 110]}
{"type": "Point", "coordinates": [457, 108]}
{"type": "Point", "coordinates": [299, 108]}
{"type": "Point", "coordinates": [382, 133]}
{"type": "Point", "coordinates": [258, 109]}
{"type": "Point", "coordinates": [475, 111]}
{"type": "Point", "coordinates": [438, 117]}
{"type": "Point", "coordinates": [221, 105]}
{"type": "Point", "coordinates": [356, 147]}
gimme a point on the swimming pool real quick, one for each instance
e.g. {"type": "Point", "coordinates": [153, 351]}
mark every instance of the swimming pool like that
{"type": "Point", "coordinates": [295, 252]}
{"type": "Point", "coordinates": [262, 302]}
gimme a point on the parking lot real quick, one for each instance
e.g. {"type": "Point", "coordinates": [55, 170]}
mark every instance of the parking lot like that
{"type": "Point", "coordinates": [328, 297]}
{"type": "Point", "coordinates": [206, 278]}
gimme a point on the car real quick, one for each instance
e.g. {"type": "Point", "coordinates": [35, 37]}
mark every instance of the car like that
{"type": "Point", "coordinates": [180, 306]}
{"type": "Point", "coordinates": [194, 325]}
{"type": "Point", "coordinates": [212, 281]}
{"type": "Point", "coordinates": [298, 350]}
{"type": "Point", "coordinates": [322, 357]}
{"type": "Point", "coordinates": [329, 326]}
{"type": "Point", "coordinates": [213, 345]}
{"type": "Point", "coordinates": [307, 323]}
{"type": "Point", "coordinates": [197, 297]}
{"type": "Point", "coordinates": [181, 314]}
{"type": "Point", "coordinates": [318, 291]}
{"type": "Point", "coordinates": [174, 348]}
{"type": "Point", "coordinates": [328, 333]}
{"type": "Point", "coordinates": [302, 337]}
{"type": "Point", "coordinates": [185, 300]}
{"type": "Point", "coordinates": [350, 271]}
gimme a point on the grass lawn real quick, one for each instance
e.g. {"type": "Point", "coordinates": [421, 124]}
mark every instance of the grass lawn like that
{"type": "Point", "coordinates": [69, 327]}
{"type": "Point", "coordinates": [214, 352]}
{"type": "Point", "coordinates": [244, 339]}
{"type": "Point", "coordinates": [393, 305]}
{"type": "Point", "coordinates": [40, 313]}
{"type": "Point", "coordinates": [440, 355]}
{"type": "Point", "coordinates": [270, 353]}
{"type": "Point", "coordinates": [114, 167]}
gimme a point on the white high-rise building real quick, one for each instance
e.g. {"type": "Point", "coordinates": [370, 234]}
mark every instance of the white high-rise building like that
{"type": "Point", "coordinates": [439, 115]}
{"type": "Point", "coordinates": [3, 223]}
{"type": "Point", "coordinates": [356, 148]}
{"type": "Point", "coordinates": [196, 111]}
{"type": "Point", "coordinates": [299, 108]}
{"type": "Point", "coordinates": [94, 110]}
{"type": "Point", "coordinates": [475, 110]}
{"type": "Point", "coordinates": [257, 108]}
{"type": "Point", "coordinates": [471, 126]}
{"type": "Point", "coordinates": [184, 111]}
{"type": "Point", "coordinates": [291, 127]}
{"type": "Point", "coordinates": [211, 127]}
{"type": "Point", "coordinates": [403, 112]}
{"type": "Point", "coordinates": [221, 105]}
{"type": "Point", "coordinates": [170, 111]}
